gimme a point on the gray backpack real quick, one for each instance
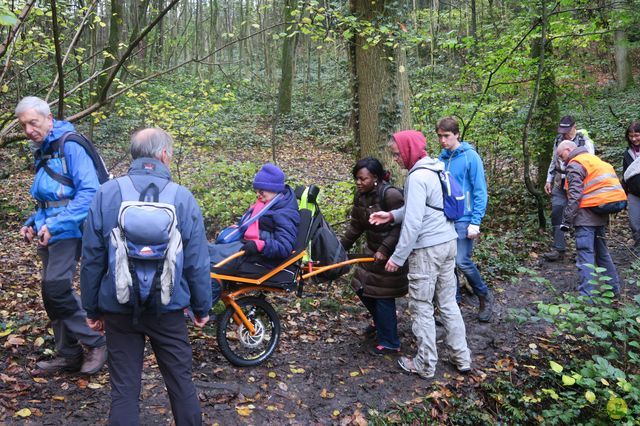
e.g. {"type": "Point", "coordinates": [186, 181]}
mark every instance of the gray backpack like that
{"type": "Point", "coordinates": [145, 251]}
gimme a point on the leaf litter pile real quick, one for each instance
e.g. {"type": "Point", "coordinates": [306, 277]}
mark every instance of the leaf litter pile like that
{"type": "Point", "coordinates": [322, 371]}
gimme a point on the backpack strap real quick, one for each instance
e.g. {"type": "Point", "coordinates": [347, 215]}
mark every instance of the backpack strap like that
{"type": "Point", "coordinates": [439, 178]}
{"type": "Point", "coordinates": [56, 150]}
{"type": "Point", "coordinates": [128, 191]}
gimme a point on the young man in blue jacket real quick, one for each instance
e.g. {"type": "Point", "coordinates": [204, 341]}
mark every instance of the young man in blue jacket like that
{"type": "Point", "coordinates": [464, 163]}
{"type": "Point", "coordinates": [56, 225]}
{"type": "Point", "coordinates": [164, 324]}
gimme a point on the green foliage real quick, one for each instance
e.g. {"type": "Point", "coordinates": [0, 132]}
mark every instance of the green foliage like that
{"type": "Point", "coordinates": [594, 377]}
{"type": "Point", "coordinates": [7, 17]}
{"type": "Point", "coordinates": [224, 191]}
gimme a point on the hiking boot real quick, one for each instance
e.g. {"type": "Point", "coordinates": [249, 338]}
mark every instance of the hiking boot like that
{"type": "Point", "coordinates": [486, 307]}
{"type": "Point", "coordinates": [60, 364]}
{"type": "Point", "coordinates": [554, 255]}
{"type": "Point", "coordinates": [94, 360]}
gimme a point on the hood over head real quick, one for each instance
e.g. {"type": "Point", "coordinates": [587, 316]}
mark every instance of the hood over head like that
{"type": "Point", "coordinates": [411, 145]}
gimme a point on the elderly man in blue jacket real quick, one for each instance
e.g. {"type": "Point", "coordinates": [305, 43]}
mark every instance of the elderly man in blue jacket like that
{"type": "Point", "coordinates": [164, 324]}
{"type": "Point", "coordinates": [464, 163]}
{"type": "Point", "coordinates": [56, 225]}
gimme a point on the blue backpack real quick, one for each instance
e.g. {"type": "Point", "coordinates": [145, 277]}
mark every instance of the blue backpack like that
{"type": "Point", "coordinates": [145, 251]}
{"type": "Point", "coordinates": [452, 195]}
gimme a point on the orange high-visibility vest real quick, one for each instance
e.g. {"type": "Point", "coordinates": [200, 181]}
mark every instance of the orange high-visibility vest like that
{"type": "Point", "coordinates": [601, 186]}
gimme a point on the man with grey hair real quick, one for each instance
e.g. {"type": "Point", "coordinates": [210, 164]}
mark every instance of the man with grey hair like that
{"type": "Point", "coordinates": [591, 186]}
{"type": "Point", "coordinates": [129, 316]}
{"type": "Point", "coordinates": [64, 185]}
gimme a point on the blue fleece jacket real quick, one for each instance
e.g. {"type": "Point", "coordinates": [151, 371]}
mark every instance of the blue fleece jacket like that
{"type": "Point", "coordinates": [64, 222]}
{"type": "Point", "coordinates": [98, 290]}
{"type": "Point", "coordinates": [466, 166]}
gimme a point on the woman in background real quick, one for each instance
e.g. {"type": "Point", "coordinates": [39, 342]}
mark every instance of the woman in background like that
{"type": "Point", "coordinates": [631, 180]}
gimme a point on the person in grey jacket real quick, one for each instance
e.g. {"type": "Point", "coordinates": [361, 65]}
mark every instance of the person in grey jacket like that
{"type": "Point", "coordinates": [554, 185]}
{"type": "Point", "coordinates": [166, 329]}
{"type": "Point", "coordinates": [428, 243]}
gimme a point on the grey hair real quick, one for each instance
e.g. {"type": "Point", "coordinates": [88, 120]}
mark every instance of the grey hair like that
{"type": "Point", "coordinates": [566, 144]}
{"type": "Point", "coordinates": [150, 143]}
{"type": "Point", "coordinates": [35, 103]}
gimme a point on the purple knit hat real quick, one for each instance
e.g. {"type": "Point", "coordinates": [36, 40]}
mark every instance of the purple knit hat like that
{"type": "Point", "coordinates": [269, 178]}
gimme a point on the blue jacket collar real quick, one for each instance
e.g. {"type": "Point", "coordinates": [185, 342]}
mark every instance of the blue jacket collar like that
{"type": "Point", "coordinates": [59, 128]}
{"type": "Point", "coordinates": [464, 146]}
{"type": "Point", "coordinates": [149, 166]}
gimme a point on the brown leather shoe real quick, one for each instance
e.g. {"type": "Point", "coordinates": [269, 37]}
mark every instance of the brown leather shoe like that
{"type": "Point", "coordinates": [60, 364]}
{"type": "Point", "coordinates": [94, 360]}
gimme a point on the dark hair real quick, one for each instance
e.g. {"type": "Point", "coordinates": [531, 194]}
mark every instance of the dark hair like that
{"type": "Point", "coordinates": [634, 127]}
{"type": "Point", "coordinates": [374, 166]}
{"type": "Point", "coordinates": [448, 124]}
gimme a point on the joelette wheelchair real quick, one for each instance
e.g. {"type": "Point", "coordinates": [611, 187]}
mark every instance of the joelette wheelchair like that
{"type": "Point", "coordinates": [248, 331]}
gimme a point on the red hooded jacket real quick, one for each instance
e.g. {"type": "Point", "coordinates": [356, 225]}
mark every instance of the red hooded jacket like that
{"type": "Point", "coordinates": [411, 145]}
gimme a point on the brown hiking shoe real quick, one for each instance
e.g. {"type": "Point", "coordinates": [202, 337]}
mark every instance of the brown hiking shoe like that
{"type": "Point", "coordinates": [486, 307]}
{"type": "Point", "coordinates": [553, 255]}
{"type": "Point", "coordinates": [94, 360]}
{"type": "Point", "coordinates": [60, 364]}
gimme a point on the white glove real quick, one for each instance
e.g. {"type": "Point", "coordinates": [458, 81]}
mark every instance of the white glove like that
{"type": "Point", "coordinates": [473, 231]}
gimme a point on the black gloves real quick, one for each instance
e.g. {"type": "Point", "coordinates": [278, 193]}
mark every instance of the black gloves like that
{"type": "Point", "coordinates": [564, 227]}
{"type": "Point", "coordinates": [250, 248]}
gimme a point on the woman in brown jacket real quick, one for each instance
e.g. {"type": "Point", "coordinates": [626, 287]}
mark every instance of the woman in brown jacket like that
{"type": "Point", "coordinates": [374, 286]}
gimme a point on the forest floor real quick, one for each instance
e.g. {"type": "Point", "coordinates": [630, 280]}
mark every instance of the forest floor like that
{"type": "Point", "coordinates": [321, 373]}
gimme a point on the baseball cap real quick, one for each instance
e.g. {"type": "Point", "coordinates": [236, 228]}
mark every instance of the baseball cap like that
{"type": "Point", "coordinates": [566, 123]}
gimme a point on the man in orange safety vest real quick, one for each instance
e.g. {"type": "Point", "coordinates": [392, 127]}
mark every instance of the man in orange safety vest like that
{"type": "Point", "coordinates": [593, 191]}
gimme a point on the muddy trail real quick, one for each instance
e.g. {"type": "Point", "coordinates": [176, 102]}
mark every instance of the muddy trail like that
{"type": "Point", "coordinates": [321, 373]}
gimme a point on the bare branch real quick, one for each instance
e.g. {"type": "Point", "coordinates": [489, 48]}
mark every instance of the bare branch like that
{"type": "Point", "coordinates": [75, 39]}
{"type": "Point", "coordinates": [56, 43]}
{"type": "Point", "coordinates": [125, 56]}
{"type": "Point", "coordinates": [14, 30]}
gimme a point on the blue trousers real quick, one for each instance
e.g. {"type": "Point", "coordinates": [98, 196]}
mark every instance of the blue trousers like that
{"type": "Point", "coordinates": [591, 249]}
{"type": "Point", "coordinates": [464, 262]}
{"type": "Point", "coordinates": [169, 340]}
{"type": "Point", "coordinates": [384, 316]}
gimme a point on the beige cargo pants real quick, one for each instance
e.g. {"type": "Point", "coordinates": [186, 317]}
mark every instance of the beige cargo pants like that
{"type": "Point", "coordinates": [432, 279]}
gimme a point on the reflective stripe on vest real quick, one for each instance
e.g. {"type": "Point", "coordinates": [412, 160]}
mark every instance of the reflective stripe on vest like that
{"type": "Point", "coordinates": [601, 186]}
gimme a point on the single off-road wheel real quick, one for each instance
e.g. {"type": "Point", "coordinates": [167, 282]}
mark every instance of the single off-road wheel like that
{"type": "Point", "coordinates": [235, 341]}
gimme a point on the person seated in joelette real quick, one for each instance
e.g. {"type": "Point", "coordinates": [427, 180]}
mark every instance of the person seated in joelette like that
{"type": "Point", "coordinates": [270, 239]}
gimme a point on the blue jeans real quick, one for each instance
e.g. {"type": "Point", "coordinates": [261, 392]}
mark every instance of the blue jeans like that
{"type": "Point", "coordinates": [384, 316]}
{"type": "Point", "coordinates": [464, 262]}
{"type": "Point", "coordinates": [591, 249]}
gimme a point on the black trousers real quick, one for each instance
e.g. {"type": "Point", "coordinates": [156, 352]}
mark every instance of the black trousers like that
{"type": "Point", "coordinates": [169, 340]}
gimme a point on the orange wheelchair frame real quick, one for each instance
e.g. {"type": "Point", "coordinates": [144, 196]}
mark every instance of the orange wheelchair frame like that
{"type": "Point", "coordinates": [248, 331]}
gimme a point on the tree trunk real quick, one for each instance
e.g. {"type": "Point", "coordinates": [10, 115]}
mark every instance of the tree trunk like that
{"type": "Point", "coordinates": [545, 117]}
{"type": "Point", "coordinates": [287, 63]}
{"type": "Point", "coordinates": [542, 115]}
{"type": "Point", "coordinates": [58, 47]}
{"type": "Point", "coordinates": [380, 87]}
{"type": "Point", "coordinates": [623, 62]}
{"type": "Point", "coordinates": [474, 20]}
{"type": "Point", "coordinates": [112, 48]}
